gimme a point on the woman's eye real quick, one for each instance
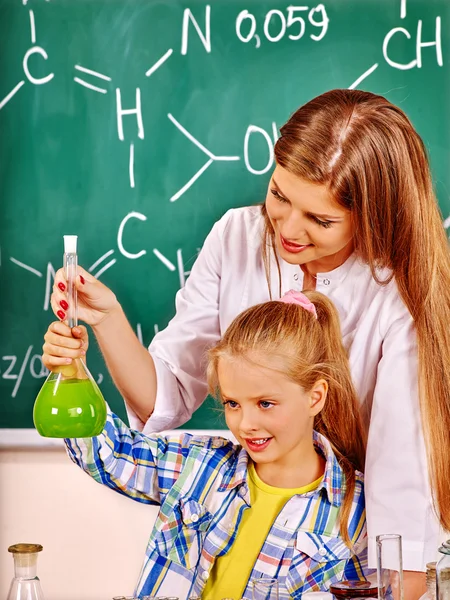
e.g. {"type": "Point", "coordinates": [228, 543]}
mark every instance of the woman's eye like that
{"type": "Point", "coordinates": [325, 224]}
{"type": "Point", "coordinates": [277, 195]}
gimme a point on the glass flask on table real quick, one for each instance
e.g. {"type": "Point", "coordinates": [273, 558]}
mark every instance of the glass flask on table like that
{"type": "Point", "coordinates": [70, 403]}
{"type": "Point", "coordinates": [25, 584]}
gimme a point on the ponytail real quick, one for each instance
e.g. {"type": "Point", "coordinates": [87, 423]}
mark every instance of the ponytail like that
{"type": "Point", "coordinates": [340, 419]}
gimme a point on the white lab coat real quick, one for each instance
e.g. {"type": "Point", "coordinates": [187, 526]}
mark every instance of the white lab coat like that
{"type": "Point", "coordinates": [378, 331]}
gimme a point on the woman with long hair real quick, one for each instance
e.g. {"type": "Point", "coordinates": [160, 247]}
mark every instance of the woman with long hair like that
{"type": "Point", "coordinates": [350, 212]}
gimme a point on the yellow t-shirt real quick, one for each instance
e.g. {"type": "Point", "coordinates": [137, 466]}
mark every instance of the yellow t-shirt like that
{"type": "Point", "coordinates": [230, 573]}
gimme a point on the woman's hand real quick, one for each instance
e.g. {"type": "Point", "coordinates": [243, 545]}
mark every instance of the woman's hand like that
{"type": "Point", "coordinates": [95, 300]}
{"type": "Point", "coordinates": [62, 345]}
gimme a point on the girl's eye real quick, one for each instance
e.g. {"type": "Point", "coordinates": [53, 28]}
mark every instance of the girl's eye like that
{"type": "Point", "coordinates": [325, 224]}
{"type": "Point", "coordinates": [231, 404]}
{"type": "Point", "coordinates": [265, 404]}
{"type": "Point", "coordinates": [277, 195]}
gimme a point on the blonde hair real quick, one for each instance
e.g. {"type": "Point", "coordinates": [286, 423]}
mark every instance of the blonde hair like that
{"type": "Point", "coordinates": [310, 349]}
{"type": "Point", "coordinates": [374, 163]}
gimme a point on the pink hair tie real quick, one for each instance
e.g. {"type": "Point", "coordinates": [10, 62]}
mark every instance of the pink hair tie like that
{"type": "Point", "coordinates": [293, 297]}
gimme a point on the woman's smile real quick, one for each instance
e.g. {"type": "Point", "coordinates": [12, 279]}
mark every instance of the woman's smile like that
{"type": "Point", "coordinates": [292, 246]}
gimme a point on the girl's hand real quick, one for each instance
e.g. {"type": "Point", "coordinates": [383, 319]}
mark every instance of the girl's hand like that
{"type": "Point", "coordinates": [95, 300]}
{"type": "Point", "coordinates": [63, 344]}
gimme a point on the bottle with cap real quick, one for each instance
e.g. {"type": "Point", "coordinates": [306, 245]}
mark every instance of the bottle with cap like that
{"type": "Point", "coordinates": [431, 581]}
{"type": "Point", "coordinates": [70, 403]}
{"type": "Point", "coordinates": [25, 584]}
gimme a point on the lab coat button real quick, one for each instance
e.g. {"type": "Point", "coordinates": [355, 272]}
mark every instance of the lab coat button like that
{"type": "Point", "coordinates": [326, 282]}
{"type": "Point", "coordinates": [296, 277]}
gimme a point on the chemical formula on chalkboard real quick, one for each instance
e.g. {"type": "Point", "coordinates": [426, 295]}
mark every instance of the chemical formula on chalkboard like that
{"type": "Point", "coordinates": [295, 22]}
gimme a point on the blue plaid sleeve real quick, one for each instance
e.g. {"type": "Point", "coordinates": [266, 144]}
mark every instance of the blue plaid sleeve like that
{"type": "Point", "coordinates": [129, 462]}
{"type": "Point", "coordinates": [357, 566]}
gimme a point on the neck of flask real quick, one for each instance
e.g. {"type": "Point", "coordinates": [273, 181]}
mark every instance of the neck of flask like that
{"type": "Point", "coordinates": [70, 267]}
{"type": "Point", "coordinates": [25, 565]}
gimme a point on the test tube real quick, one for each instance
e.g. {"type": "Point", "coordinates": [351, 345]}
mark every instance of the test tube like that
{"type": "Point", "coordinates": [70, 268]}
{"type": "Point", "coordinates": [390, 567]}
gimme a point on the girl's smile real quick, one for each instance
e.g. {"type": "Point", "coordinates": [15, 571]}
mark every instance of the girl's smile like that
{"type": "Point", "coordinates": [257, 444]}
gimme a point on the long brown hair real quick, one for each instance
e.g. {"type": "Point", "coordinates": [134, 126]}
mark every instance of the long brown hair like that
{"type": "Point", "coordinates": [374, 163]}
{"type": "Point", "coordinates": [309, 349]}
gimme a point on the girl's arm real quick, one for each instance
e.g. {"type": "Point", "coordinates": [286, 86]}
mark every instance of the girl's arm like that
{"type": "Point", "coordinates": [139, 466]}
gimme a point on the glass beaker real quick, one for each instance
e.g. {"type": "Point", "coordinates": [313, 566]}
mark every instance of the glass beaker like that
{"type": "Point", "coordinates": [265, 588]}
{"type": "Point", "coordinates": [70, 404]}
{"type": "Point", "coordinates": [390, 567]}
{"type": "Point", "coordinates": [25, 584]}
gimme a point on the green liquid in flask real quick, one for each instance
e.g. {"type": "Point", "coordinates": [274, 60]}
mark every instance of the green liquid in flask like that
{"type": "Point", "coordinates": [70, 404]}
{"type": "Point", "coordinates": [69, 408]}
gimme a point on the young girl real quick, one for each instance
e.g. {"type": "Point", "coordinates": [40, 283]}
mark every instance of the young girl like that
{"type": "Point", "coordinates": [285, 502]}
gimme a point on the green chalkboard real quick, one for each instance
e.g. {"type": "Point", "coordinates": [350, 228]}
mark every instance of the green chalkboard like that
{"type": "Point", "coordinates": [206, 88]}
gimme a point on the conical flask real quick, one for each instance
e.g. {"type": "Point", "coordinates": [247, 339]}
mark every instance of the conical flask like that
{"type": "Point", "coordinates": [25, 584]}
{"type": "Point", "coordinates": [70, 403]}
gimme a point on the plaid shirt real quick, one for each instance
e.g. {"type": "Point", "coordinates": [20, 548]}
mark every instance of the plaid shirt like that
{"type": "Point", "coordinates": [201, 486]}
